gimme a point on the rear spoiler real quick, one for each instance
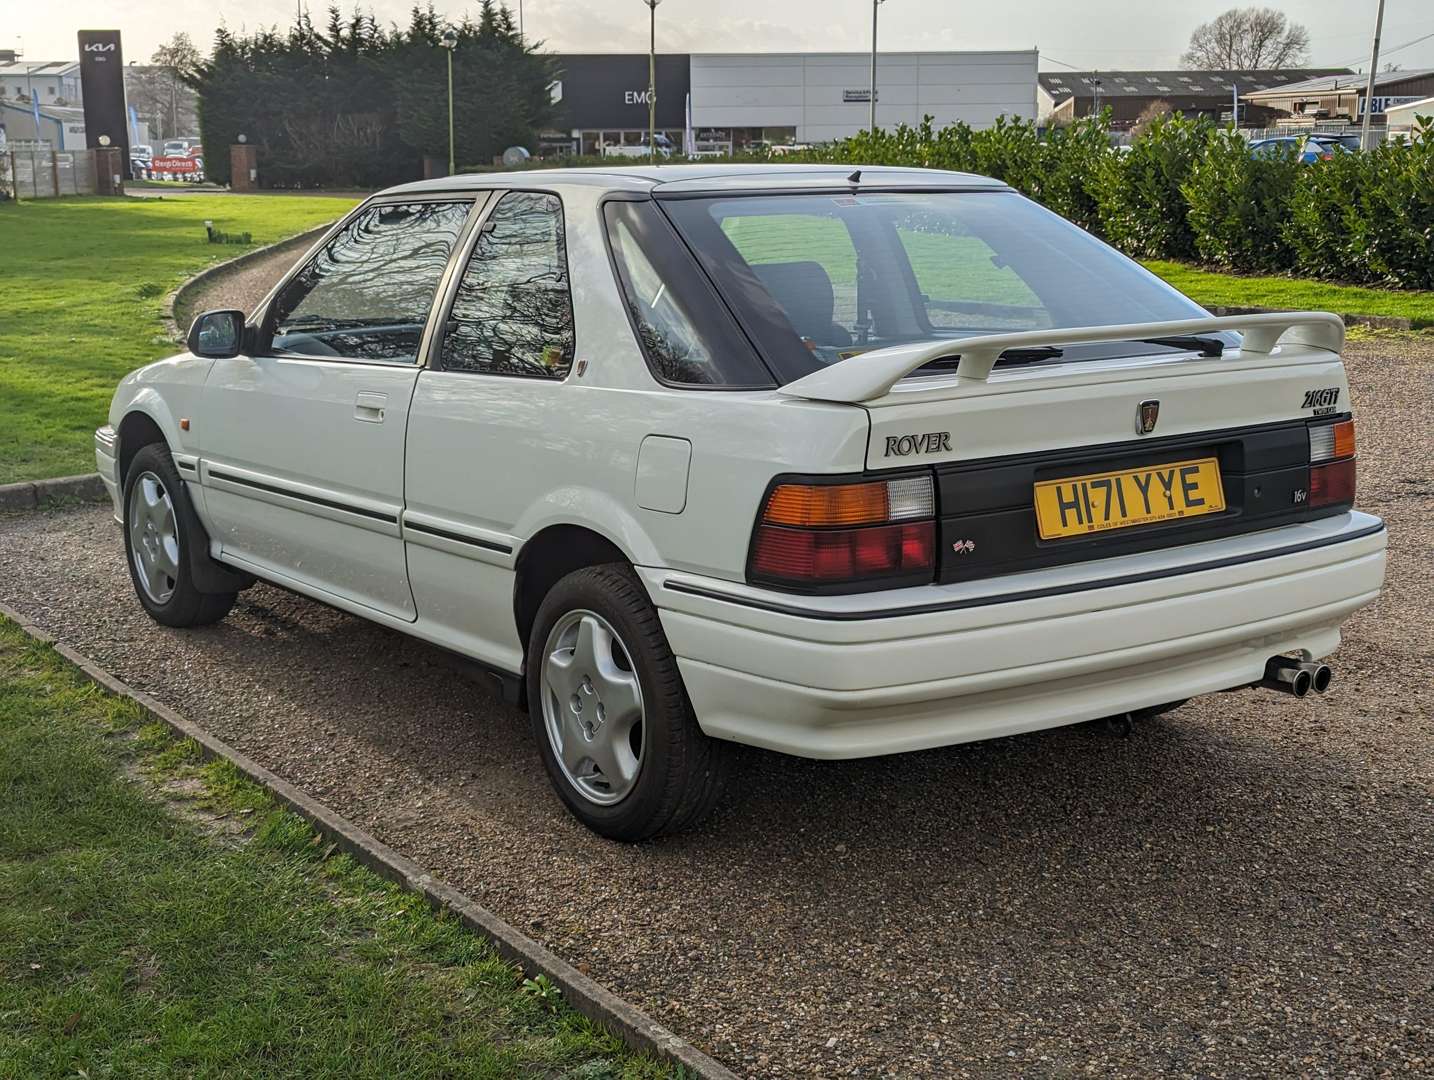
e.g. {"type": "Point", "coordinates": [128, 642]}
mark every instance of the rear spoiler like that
{"type": "Point", "coordinates": [871, 375]}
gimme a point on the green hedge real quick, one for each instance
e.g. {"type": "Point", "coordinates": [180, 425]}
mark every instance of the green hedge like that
{"type": "Point", "coordinates": [1187, 189]}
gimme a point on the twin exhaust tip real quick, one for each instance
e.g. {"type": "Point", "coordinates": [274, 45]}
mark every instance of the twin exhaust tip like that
{"type": "Point", "coordinates": [1295, 676]}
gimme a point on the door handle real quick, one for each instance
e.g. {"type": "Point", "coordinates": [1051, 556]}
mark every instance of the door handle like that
{"type": "Point", "coordinates": [369, 406]}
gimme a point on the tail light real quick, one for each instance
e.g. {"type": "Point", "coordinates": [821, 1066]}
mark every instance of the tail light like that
{"type": "Point", "coordinates": [813, 534]}
{"type": "Point", "coordinates": [1332, 477]}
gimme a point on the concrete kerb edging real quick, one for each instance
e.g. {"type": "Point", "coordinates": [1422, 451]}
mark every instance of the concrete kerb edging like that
{"type": "Point", "coordinates": [36, 494]}
{"type": "Point", "coordinates": [598, 1004]}
{"type": "Point", "coordinates": [209, 273]}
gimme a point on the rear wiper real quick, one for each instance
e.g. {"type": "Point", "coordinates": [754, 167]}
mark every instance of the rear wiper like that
{"type": "Point", "coordinates": [1205, 346]}
{"type": "Point", "coordinates": [1010, 356]}
{"type": "Point", "coordinates": [1030, 356]}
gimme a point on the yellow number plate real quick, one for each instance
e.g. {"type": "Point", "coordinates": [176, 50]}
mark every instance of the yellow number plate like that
{"type": "Point", "coordinates": [1076, 505]}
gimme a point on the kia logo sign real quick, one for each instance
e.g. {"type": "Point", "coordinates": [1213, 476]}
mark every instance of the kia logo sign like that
{"type": "Point", "coordinates": [107, 46]}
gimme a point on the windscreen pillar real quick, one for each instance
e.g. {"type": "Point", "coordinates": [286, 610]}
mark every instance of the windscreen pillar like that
{"type": "Point", "coordinates": [243, 167]}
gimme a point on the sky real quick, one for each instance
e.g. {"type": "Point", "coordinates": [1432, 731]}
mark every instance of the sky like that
{"type": "Point", "coordinates": [1106, 34]}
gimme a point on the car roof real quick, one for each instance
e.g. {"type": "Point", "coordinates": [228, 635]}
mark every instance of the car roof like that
{"type": "Point", "coordinates": [715, 178]}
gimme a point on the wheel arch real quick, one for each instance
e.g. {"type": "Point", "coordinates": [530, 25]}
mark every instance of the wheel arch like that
{"type": "Point", "coordinates": [554, 552]}
{"type": "Point", "coordinates": [146, 420]}
{"type": "Point", "coordinates": [137, 430]}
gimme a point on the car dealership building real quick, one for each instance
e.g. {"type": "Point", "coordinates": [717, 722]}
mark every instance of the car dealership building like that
{"type": "Point", "coordinates": [738, 99]}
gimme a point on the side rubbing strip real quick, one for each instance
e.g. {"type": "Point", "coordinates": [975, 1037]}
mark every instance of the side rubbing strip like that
{"type": "Point", "coordinates": [288, 493]}
{"type": "Point", "coordinates": [1018, 595]}
{"type": "Point", "coordinates": [457, 538]}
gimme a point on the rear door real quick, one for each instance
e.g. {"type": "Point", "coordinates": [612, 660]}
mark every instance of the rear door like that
{"type": "Point", "coordinates": [302, 444]}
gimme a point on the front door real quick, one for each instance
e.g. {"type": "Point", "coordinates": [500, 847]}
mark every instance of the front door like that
{"type": "Point", "coordinates": [302, 444]}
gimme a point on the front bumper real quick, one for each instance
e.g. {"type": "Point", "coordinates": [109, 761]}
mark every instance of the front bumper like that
{"type": "Point", "coordinates": [877, 673]}
{"type": "Point", "coordinates": [107, 464]}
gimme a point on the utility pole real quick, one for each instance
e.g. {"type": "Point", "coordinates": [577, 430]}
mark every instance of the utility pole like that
{"type": "Point", "coordinates": [1369, 86]}
{"type": "Point", "coordinates": [652, 80]}
{"type": "Point", "coordinates": [449, 41]}
{"type": "Point", "coordinates": [871, 104]}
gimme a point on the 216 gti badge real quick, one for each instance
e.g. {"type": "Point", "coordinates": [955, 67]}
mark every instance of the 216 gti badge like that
{"type": "Point", "coordinates": [1323, 402]}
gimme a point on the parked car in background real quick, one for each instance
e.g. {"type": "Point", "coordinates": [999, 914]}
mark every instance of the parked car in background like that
{"type": "Point", "coordinates": [139, 159]}
{"type": "Point", "coordinates": [1307, 148]}
{"type": "Point", "coordinates": [665, 148]}
{"type": "Point", "coordinates": [835, 462]}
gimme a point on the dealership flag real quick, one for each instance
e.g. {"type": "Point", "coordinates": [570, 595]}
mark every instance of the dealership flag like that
{"type": "Point", "coordinates": [689, 141]}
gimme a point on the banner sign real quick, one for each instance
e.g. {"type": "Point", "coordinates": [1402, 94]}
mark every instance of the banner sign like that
{"type": "Point", "coordinates": [173, 165]}
{"type": "Point", "coordinates": [102, 86]}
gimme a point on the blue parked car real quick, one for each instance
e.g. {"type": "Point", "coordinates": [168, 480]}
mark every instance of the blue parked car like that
{"type": "Point", "coordinates": [1309, 148]}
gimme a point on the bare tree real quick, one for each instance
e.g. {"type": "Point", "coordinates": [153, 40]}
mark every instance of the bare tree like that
{"type": "Point", "coordinates": [1247, 39]}
{"type": "Point", "coordinates": [1148, 115]}
{"type": "Point", "coordinates": [179, 59]}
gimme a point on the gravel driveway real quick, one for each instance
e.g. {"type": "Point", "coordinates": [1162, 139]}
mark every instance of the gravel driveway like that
{"type": "Point", "coordinates": [1244, 886]}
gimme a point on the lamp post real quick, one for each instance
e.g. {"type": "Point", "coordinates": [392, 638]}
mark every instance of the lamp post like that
{"type": "Point", "coordinates": [872, 100]}
{"type": "Point", "coordinates": [652, 79]}
{"type": "Point", "coordinates": [449, 40]}
{"type": "Point", "coordinates": [1369, 87]}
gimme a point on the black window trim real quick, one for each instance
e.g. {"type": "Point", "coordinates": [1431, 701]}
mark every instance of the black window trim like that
{"type": "Point", "coordinates": [635, 197]}
{"type": "Point", "coordinates": [443, 310]}
{"type": "Point", "coordinates": [260, 330]}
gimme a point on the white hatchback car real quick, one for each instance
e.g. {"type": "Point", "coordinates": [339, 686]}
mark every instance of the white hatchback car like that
{"type": "Point", "coordinates": [837, 463]}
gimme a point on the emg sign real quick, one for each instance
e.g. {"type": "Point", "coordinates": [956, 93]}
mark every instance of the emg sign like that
{"type": "Point", "coordinates": [635, 97]}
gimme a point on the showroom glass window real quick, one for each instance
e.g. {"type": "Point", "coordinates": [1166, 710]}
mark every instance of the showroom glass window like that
{"type": "Point", "coordinates": [513, 312]}
{"type": "Point", "coordinates": [367, 294]}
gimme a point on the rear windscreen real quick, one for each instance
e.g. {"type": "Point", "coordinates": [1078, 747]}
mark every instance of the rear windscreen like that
{"type": "Point", "coordinates": [816, 279]}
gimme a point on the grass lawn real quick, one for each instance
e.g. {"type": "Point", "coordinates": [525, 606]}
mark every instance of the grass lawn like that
{"type": "Point", "coordinates": [81, 303]}
{"type": "Point", "coordinates": [159, 917]}
{"type": "Point", "coordinates": [1210, 288]}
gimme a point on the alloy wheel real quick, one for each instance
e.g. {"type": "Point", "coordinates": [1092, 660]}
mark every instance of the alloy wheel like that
{"type": "Point", "coordinates": [154, 537]}
{"type": "Point", "coordinates": [592, 707]}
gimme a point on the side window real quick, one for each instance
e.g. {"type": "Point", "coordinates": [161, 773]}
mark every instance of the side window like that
{"type": "Point", "coordinates": [682, 327]}
{"type": "Point", "coordinates": [367, 294]}
{"type": "Point", "coordinates": [513, 313]}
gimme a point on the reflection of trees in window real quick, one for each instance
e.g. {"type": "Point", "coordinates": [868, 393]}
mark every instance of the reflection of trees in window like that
{"type": "Point", "coordinates": [666, 333]}
{"type": "Point", "coordinates": [512, 314]}
{"type": "Point", "coordinates": [367, 294]}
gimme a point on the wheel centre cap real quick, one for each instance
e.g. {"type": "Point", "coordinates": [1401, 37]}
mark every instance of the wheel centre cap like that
{"type": "Point", "coordinates": [588, 707]}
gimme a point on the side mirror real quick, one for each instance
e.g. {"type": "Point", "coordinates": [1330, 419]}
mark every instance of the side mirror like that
{"type": "Point", "coordinates": [217, 335]}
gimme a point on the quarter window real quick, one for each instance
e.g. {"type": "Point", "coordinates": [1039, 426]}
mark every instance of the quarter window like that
{"type": "Point", "coordinates": [367, 294]}
{"type": "Point", "coordinates": [683, 329]}
{"type": "Point", "coordinates": [513, 312]}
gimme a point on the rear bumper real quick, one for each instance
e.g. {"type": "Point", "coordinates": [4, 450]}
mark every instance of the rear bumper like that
{"type": "Point", "coordinates": [107, 464]}
{"type": "Point", "coordinates": [878, 673]}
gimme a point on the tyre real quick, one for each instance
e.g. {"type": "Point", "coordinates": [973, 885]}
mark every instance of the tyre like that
{"type": "Point", "coordinates": [162, 534]}
{"type": "Point", "coordinates": [609, 712]}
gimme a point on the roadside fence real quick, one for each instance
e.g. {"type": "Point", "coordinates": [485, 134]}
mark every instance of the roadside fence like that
{"type": "Point", "coordinates": [42, 172]}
